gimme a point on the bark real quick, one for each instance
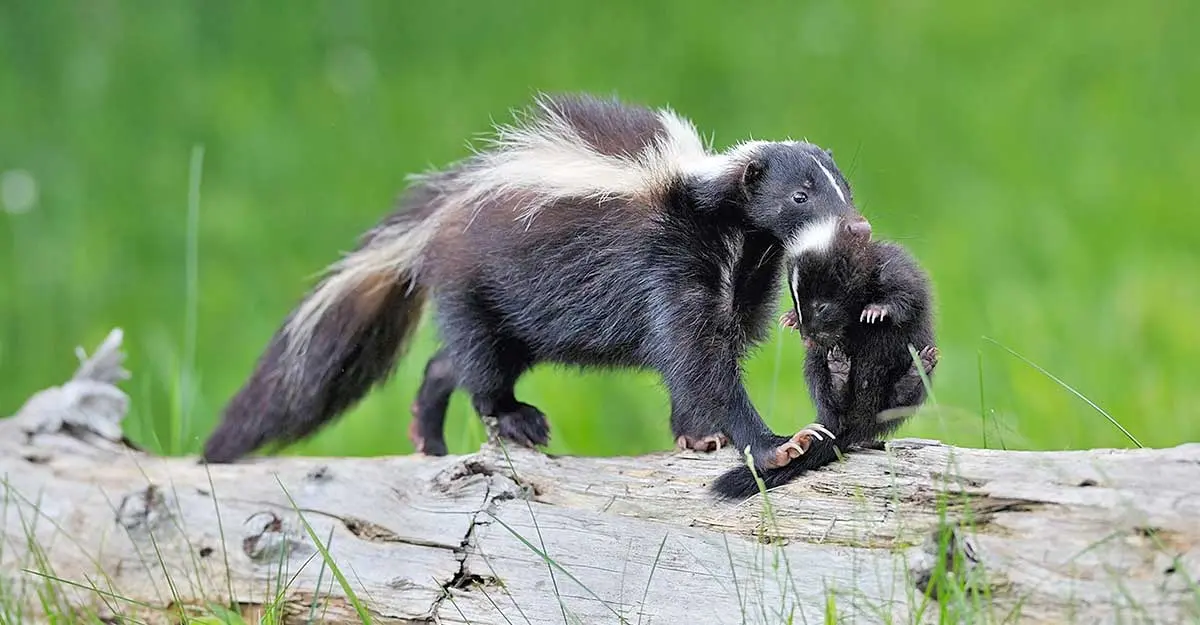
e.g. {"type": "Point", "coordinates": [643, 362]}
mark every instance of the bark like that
{"type": "Point", "coordinates": [510, 535]}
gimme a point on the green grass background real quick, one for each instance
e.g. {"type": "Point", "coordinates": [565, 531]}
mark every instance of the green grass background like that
{"type": "Point", "coordinates": [1040, 159]}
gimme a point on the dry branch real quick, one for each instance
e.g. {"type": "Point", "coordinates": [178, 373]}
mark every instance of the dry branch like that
{"type": "Point", "coordinates": [1084, 536]}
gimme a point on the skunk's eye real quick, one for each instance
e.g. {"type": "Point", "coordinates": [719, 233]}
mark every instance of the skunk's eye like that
{"type": "Point", "coordinates": [799, 197]}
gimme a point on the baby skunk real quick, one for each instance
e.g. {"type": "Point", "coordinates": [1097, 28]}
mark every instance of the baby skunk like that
{"type": "Point", "coordinates": [859, 304]}
{"type": "Point", "coordinates": [588, 234]}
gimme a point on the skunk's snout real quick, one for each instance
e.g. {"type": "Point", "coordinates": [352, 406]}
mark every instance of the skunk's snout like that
{"type": "Point", "coordinates": [859, 227]}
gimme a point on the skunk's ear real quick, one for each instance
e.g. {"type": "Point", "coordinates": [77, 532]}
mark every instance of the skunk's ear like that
{"type": "Point", "coordinates": [829, 153]}
{"type": "Point", "coordinates": [752, 173]}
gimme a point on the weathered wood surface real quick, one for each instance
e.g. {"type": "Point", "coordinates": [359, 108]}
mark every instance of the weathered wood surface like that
{"type": "Point", "coordinates": [1088, 536]}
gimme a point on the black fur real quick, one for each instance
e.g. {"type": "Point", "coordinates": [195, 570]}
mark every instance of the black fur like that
{"type": "Point", "coordinates": [683, 283]}
{"type": "Point", "coordinates": [860, 372]}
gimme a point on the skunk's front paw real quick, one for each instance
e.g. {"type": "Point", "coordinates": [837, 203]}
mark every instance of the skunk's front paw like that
{"type": "Point", "coordinates": [798, 444]}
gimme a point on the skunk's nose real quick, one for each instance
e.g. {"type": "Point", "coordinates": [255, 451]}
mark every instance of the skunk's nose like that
{"type": "Point", "coordinates": [860, 227]}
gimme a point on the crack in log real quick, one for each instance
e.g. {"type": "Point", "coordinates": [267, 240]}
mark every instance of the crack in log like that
{"type": "Point", "coordinates": [374, 532]}
{"type": "Point", "coordinates": [462, 578]}
{"type": "Point", "coordinates": [981, 507]}
{"type": "Point", "coordinates": [36, 458]}
{"type": "Point", "coordinates": [360, 528]}
{"type": "Point", "coordinates": [457, 580]}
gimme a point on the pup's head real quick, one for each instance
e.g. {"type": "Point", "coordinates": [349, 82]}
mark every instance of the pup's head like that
{"type": "Point", "coordinates": [790, 184]}
{"type": "Point", "coordinates": [829, 268]}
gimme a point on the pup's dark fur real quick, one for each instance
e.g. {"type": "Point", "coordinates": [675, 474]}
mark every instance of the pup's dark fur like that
{"type": "Point", "coordinates": [678, 276]}
{"type": "Point", "coordinates": [859, 304]}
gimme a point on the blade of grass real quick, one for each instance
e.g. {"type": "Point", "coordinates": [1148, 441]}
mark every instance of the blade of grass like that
{"type": "Point", "coordinates": [551, 562]}
{"type": "Point", "coordinates": [982, 405]}
{"type": "Point", "coordinates": [212, 491]}
{"type": "Point", "coordinates": [312, 608]}
{"type": "Point", "coordinates": [59, 580]}
{"type": "Point", "coordinates": [649, 577]}
{"type": "Point", "coordinates": [191, 294]}
{"type": "Point", "coordinates": [537, 528]}
{"type": "Point", "coordinates": [1068, 387]}
{"type": "Point", "coordinates": [337, 572]}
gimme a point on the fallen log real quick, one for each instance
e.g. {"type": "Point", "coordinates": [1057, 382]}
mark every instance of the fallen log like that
{"type": "Point", "coordinates": [919, 532]}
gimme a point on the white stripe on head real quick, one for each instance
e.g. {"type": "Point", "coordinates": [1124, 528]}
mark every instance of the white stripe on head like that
{"type": "Point", "coordinates": [829, 176]}
{"type": "Point", "coordinates": [815, 238]}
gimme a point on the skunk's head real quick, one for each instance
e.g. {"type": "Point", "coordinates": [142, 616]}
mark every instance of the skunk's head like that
{"type": "Point", "coordinates": [829, 263]}
{"type": "Point", "coordinates": [790, 184]}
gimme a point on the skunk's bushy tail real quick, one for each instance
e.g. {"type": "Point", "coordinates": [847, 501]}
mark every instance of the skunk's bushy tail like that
{"type": "Point", "coordinates": [344, 338]}
{"type": "Point", "coordinates": [739, 483]}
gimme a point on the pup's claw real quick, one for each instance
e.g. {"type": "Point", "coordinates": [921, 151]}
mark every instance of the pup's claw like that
{"type": "Point", "coordinates": [873, 313]}
{"type": "Point", "coordinates": [790, 320]}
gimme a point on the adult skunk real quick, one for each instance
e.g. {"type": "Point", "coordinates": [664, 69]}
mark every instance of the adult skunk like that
{"type": "Point", "coordinates": [591, 233]}
{"type": "Point", "coordinates": [860, 305]}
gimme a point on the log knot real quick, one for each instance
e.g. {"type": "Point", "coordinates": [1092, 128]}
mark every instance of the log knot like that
{"type": "Point", "coordinates": [143, 511]}
{"type": "Point", "coordinates": [270, 539]}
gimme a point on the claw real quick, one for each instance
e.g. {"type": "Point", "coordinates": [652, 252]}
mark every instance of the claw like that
{"type": "Point", "coordinates": [929, 358]}
{"type": "Point", "coordinates": [798, 444]}
{"type": "Point", "coordinates": [816, 430]}
{"type": "Point", "coordinates": [712, 442]}
{"type": "Point", "coordinates": [793, 450]}
{"type": "Point", "coordinates": [790, 320]}
{"type": "Point", "coordinates": [822, 428]}
{"type": "Point", "coordinates": [873, 313]}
